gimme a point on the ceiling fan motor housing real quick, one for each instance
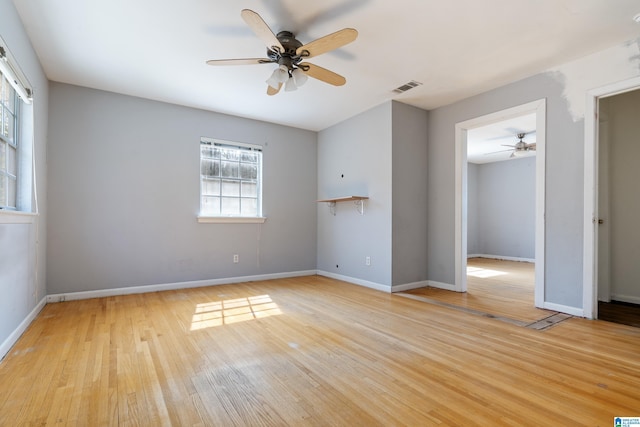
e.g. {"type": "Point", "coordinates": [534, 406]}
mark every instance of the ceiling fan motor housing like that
{"type": "Point", "coordinates": [290, 45]}
{"type": "Point", "coordinates": [521, 145]}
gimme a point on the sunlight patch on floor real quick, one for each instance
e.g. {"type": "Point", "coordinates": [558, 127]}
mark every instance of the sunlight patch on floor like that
{"type": "Point", "coordinates": [484, 273]}
{"type": "Point", "coordinates": [226, 312]}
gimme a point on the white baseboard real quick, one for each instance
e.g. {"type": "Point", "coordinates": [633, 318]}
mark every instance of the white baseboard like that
{"type": "Point", "coordinates": [409, 286]}
{"type": "Point", "coordinates": [502, 257]}
{"type": "Point", "coordinates": [100, 293]}
{"type": "Point", "coordinates": [355, 281]}
{"type": "Point", "coordinates": [15, 335]}
{"type": "Point", "coordinates": [625, 298]}
{"type": "Point", "coordinates": [422, 284]}
{"type": "Point", "coordinates": [574, 311]}
{"type": "Point", "coordinates": [442, 285]}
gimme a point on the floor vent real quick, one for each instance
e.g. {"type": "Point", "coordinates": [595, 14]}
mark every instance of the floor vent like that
{"type": "Point", "coordinates": [539, 325]}
{"type": "Point", "coordinates": [405, 87]}
{"type": "Point", "coordinates": [549, 321]}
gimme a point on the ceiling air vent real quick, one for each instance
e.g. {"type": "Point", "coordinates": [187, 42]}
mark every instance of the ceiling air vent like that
{"type": "Point", "coordinates": [405, 87]}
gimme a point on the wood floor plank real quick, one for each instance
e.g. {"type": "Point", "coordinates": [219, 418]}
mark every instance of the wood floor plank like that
{"type": "Point", "coordinates": [495, 287]}
{"type": "Point", "coordinates": [310, 351]}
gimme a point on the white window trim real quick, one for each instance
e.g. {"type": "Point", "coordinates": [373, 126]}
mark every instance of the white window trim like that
{"type": "Point", "coordinates": [17, 217]}
{"type": "Point", "coordinates": [231, 219]}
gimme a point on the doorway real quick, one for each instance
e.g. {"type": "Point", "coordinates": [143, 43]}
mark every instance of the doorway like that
{"type": "Point", "coordinates": [538, 108]}
{"type": "Point", "coordinates": [501, 177]}
{"type": "Point", "coordinates": [613, 232]}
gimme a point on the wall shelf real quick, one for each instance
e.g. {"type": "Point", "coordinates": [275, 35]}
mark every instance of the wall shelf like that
{"type": "Point", "coordinates": [357, 200]}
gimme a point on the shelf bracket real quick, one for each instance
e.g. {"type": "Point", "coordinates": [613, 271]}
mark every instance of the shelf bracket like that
{"type": "Point", "coordinates": [358, 200]}
{"type": "Point", "coordinates": [332, 208]}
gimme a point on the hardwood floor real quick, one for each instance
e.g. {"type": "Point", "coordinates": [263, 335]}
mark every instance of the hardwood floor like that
{"type": "Point", "coordinates": [496, 287]}
{"type": "Point", "coordinates": [310, 351]}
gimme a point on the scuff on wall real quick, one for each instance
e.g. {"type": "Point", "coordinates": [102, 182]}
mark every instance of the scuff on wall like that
{"type": "Point", "coordinates": [608, 66]}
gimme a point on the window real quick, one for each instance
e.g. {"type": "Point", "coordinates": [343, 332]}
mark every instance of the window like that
{"type": "Point", "coordinates": [15, 156]}
{"type": "Point", "coordinates": [230, 179]}
{"type": "Point", "coordinates": [9, 113]}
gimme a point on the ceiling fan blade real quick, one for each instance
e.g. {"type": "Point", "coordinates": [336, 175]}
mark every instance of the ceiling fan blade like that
{"type": "Point", "coordinates": [499, 151]}
{"type": "Point", "coordinates": [322, 74]}
{"type": "Point", "coordinates": [517, 131]}
{"type": "Point", "coordinates": [327, 43]}
{"type": "Point", "coordinates": [261, 29]}
{"type": "Point", "coordinates": [507, 145]}
{"type": "Point", "coordinates": [271, 91]}
{"type": "Point", "coordinates": [245, 61]}
{"type": "Point", "coordinates": [531, 146]}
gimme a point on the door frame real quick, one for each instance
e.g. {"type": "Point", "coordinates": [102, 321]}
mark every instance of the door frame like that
{"type": "Point", "coordinates": [461, 128]}
{"type": "Point", "coordinates": [591, 151]}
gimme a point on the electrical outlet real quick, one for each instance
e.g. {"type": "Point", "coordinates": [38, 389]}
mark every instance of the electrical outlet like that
{"type": "Point", "coordinates": [367, 260]}
{"type": "Point", "coordinates": [236, 258]}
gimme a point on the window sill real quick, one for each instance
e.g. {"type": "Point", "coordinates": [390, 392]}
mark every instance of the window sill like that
{"type": "Point", "coordinates": [17, 217]}
{"type": "Point", "coordinates": [231, 220]}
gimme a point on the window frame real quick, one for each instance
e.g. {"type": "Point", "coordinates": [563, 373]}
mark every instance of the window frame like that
{"type": "Point", "coordinates": [9, 174]}
{"type": "Point", "coordinates": [22, 171]}
{"type": "Point", "coordinates": [233, 218]}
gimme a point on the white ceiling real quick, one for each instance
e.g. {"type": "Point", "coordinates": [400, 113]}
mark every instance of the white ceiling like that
{"type": "Point", "coordinates": [457, 48]}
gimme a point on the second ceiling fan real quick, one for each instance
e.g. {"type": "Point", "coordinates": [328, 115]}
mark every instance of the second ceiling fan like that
{"type": "Point", "coordinates": [519, 147]}
{"type": "Point", "coordinates": [288, 52]}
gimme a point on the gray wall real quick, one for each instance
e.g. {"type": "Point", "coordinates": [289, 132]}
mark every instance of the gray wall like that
{"type": "Point", "coordinates": [501, 208]}
{"type": "Point", "coordinates": [473, 246]}
{"type": "Point", "coordinates": [564, 183]}
{"type": "Point", "coordinates": [22, 246]}
{"type": "Point", "coordinates": [624, 203]}
{"type": "Point", "coordinates": [354, 158]}
{"type": "Point", "coordinates": [382, 153]}
{"type": "Point", "coordinates": [409, 186]}
{"type": "Point", "coordinates": [124, 195]}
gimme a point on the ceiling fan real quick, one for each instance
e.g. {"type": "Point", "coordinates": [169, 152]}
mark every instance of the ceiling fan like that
{"type": "Point", "coordinates": [288, 52]}
{"type": "Point", "coordinates": [519, 148]}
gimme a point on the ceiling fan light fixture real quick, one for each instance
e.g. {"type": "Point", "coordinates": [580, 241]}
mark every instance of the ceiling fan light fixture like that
{"type": "Point", "coordinates": [279, 76]}
{"type": "Point", "coordinates": [299, 77]}
{"type": "Point", "coordinates": [290, 85]}
{"type": "Point", "coordinates": [523, 153]}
